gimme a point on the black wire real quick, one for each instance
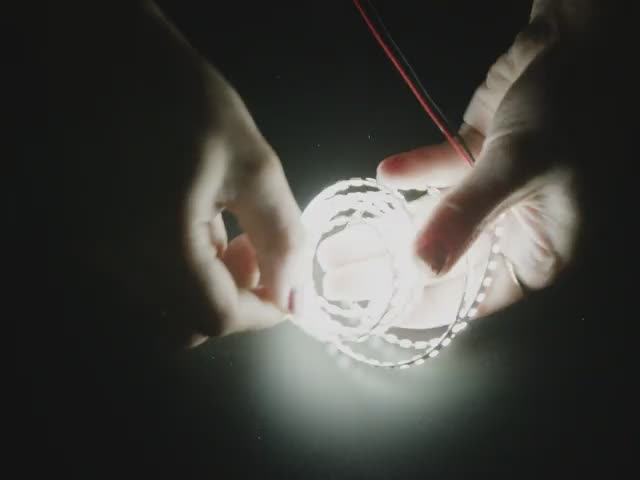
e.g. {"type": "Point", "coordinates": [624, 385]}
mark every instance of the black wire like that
{"type": "Point", "coordinates": [417, 81]}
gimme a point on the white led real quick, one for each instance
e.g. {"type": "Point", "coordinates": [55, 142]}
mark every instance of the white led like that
{"type": "Point", "coordinates": [361, 331]}
{"type": "Point", "coordinates": [391, 338]}
{"type": "Point", "coordinates": [459, 327]}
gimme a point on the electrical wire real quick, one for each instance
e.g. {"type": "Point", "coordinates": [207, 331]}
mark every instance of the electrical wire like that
{"type": "Point", "coordinates": [407, 64]}
{"type": "Point", "coordinates": [425, 100]}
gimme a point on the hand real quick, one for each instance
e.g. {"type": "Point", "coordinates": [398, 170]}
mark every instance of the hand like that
{"type": "Point", "coordinates": [154, 144]}
{"type": "Point", "coordinates": [256, 271]}
{"type": "Point", "coordinates": [249, 283]}
{"type": "Point", "coordinates": [524, 127]}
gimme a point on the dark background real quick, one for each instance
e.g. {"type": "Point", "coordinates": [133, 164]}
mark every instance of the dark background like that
{"type": "Point", "coordinates": [534, 390]}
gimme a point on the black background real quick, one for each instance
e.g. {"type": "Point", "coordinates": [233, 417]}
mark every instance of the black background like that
{"type": "Point", "coordinates": [531, 391]}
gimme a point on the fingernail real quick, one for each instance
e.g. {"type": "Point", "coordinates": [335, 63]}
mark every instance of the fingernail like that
{"type": "Point", "coordinates": [293, 301]}
{"type": "Point", "coordinates": [395, 164]}
{"type": "Point", "coordinates": [434, 253]}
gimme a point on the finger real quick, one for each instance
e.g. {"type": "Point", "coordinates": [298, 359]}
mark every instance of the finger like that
{"type": "Point", "coordinates": [520, 148]}
{"type": "Point", "coordinates": [437, 166]}
{"type": "Point", "coordinates": [359, 281]}
{"type": "Point", "coordinates": [241, 261]}
{"type": "Point", "coordinates": [228, 309]}
{"type": "Point", "coordinates": [217, 283]}
{"type": "Point", "coordinates": [497, 180]}
{"type": "Point", "coordinates": [205, 241]}
{"type": "Point", "coordinates": [422, 211]}
{"type": "Point", "coordinates": [218, 235]}
{"type": "Point", "coordinates": [254, 314]}
{"type": "Point", "coordinates": [267, 212]}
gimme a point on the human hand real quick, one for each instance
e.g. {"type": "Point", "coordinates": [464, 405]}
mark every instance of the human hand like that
{"type": "Point", "coordinates": [156, 144]}
{"type": "Point", "coordinates": [521, 126]}
{"type": "Point", "coordinates": [256, 271]}
{"type": "Point", "coordinates": [249, 282]}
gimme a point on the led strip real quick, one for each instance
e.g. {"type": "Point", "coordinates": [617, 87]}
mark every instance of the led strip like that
{"type": "Point", "coordinates": [349, 327]}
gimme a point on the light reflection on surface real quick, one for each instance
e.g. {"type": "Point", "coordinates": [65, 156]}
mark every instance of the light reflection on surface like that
{"type": "Point", "coordinates": [307, 392]}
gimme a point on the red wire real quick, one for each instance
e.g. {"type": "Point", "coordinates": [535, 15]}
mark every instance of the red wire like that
{"type": "Point", "coordinates": [409, 82]}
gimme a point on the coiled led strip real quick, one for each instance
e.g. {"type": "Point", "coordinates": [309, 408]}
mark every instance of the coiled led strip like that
{"type": "Point", "coordinates": [367, 333]}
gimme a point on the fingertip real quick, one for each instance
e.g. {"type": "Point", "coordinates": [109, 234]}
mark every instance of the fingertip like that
{"type": "Point", "coordinates": [434, 252]}
{"type": "Point", "coordinates": [397, 164]}
{"type": "Point", "coordinates": [282, 272]}
{"type": "Point", "coordinates": [255, 313]}
{"type": "Point", "coordinates": [436, 165]}
{"type": "Point", "coordinates": [442, 241]}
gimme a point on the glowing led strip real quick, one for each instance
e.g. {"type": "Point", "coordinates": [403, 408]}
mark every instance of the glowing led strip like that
{"type": "Point", "coordinates": [362, 201]}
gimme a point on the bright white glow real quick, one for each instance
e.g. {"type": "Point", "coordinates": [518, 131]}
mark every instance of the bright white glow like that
{"type": "Point", "coordinates": [343, 362]}
{"type": "Point", "coordinates": [391, 338]}
{"type": "Point", "coordinates": [356, 321]}
{"type": "Point", "coordinates": [459, 327]}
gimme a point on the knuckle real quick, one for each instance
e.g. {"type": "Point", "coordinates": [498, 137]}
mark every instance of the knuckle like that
{"type": "Point", "coordinates": [253, 170]}
{"type": "Point", "coordinates": [537, 35]}
{"type": "Point", "coordinates": [255, 165]}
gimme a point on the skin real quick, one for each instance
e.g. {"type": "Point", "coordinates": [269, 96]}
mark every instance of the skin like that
{"type": "Point", "coordinates": [150, 221]}
{"type": "Point", "coordinates": [523, 125]}
{"type": "Point", "coordinates": [172, 146]}
{"type": "Point", "coordinates": [250, 282]}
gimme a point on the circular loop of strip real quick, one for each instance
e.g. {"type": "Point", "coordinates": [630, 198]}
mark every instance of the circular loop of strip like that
{"type": "Point", "coordinates": [371, 331]}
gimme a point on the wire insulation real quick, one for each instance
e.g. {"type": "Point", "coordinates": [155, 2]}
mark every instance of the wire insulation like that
{"type": "Point", "coordinates": [456, 142]}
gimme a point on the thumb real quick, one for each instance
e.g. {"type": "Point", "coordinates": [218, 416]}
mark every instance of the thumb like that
{"type": "Point", "coordinates": [268, 213]}
{"type": "Point", "coordinates": [520, 145]}
{"type": "Point", "coordinates": [495, 183]}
